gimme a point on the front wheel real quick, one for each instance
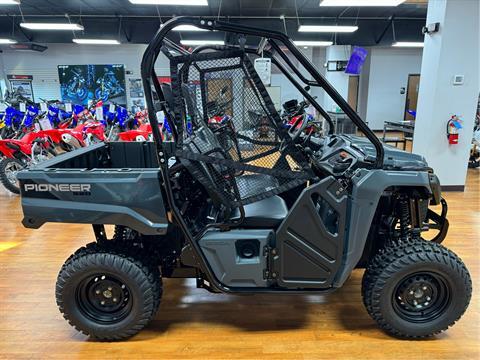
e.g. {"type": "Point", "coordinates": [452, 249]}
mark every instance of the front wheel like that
{"type": "Point", "coordinates": [107, 292]}
{"type": "Point", "coordinates": [416, 289]}
{"type": "Point", "coordinates": [9, 169]}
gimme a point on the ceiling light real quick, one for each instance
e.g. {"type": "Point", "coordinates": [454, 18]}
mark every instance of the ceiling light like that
{"type": "Point", "coordinates": [51, 26]}
{"type": "Point", "coordinates": [361, 2]}
{"type": "Point", "coordinates": [408, 44]}
{"type": "Point", "coordinates": [313, 43]}
{"type": "Point", "coordinates": [202, 42]}
{"type": "Point", "coordinates": [171, 2]}
{"type": "Point", "coordinates": [327, 28]}
{"type": "Point", "coordinates": [187, 28]}
{"type": "Point", "coordinates": [96, 41]}
{"type": "Point", "coordinates": [7, 41]}
{"type": "Point", "coordinates": [9, 2]}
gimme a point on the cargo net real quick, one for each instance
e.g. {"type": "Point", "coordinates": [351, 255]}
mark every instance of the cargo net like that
{"type": "Point", "coordinates": [230, 136]}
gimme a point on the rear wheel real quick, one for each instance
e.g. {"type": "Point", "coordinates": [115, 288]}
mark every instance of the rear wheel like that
{"type": "Point", "coordinates": [108, 292]}
{"type": "Point", "coordinates": [416, 289]}
{"type": "Point", "coordinates": [8, 174]}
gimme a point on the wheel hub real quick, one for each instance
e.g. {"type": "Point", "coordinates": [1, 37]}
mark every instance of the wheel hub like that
{"type": "Point", "coordinates": [417, 295]}
{"type": "Point", "coordinates": [421, 297]}
{"type": "Point", "coordinates": [104, 298]}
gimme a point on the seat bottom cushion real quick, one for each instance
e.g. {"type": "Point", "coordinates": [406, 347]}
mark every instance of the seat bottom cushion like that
{"type": "Point", "coordinates": [266, 213]}
{"type": "Point", "coordinates": [255, 184]}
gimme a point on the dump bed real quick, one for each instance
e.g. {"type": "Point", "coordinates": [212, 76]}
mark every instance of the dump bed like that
{"type": "Point", "coordinates": [107, 183]}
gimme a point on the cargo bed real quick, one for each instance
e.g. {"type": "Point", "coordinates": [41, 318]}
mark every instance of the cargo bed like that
{"type": "Point", "coordinates": [107, 183]}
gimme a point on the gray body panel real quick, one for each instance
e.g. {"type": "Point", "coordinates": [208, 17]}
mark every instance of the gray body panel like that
{"type": "Point", "coordinates": [117, 196]}
{"type": "Point", "coordinates": [220, 249]}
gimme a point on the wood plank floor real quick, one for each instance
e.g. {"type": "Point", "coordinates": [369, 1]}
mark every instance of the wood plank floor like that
{"type": "Point", "coordinates": [192, 323]}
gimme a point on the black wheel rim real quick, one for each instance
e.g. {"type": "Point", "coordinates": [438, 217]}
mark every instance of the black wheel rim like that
{"type": "Point", "coordinates": [422, 297]}
{"type": "Point", "coordinates": [104, 298]}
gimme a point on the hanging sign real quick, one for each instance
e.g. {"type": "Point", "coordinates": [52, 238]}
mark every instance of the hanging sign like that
{"type": "Point", "coordinates": [263, 66]}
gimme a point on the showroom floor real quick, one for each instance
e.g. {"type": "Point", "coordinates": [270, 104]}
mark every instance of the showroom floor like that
{"type": "Point", "coordinates": [193, 323]}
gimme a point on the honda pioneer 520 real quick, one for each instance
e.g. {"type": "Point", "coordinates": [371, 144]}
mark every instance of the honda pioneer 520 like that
{"type": "Point", "coordinates": [245, 204]}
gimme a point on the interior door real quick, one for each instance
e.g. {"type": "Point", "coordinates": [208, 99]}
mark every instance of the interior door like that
{"type": "Point", "coordinates": [353, 91]}
{"type": "Point", "coordinates": [412, 95]}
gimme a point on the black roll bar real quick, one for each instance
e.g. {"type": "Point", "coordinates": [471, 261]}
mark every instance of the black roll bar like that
{"type": "Point", "coordinates": [153, 49]}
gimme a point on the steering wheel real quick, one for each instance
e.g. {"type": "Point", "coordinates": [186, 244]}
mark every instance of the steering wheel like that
{"type": "Point", "coordinates": [293, 131]}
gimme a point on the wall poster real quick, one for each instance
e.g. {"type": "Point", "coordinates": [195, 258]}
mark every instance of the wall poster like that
{"type": "Point", "coordinates": [21, 85]}
{"type": "Point", "coordinates": [81, 83]}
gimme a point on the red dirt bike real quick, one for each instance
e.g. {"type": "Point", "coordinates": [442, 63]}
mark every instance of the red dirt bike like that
{"type": "Point", "coordinates": [19, 154]}
{"type": "Point", "coordinates": [84, 122]}
{"type": "Point", "coordinates": [143, 133]}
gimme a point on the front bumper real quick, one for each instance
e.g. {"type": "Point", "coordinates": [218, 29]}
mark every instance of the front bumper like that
{"type": "Point", "coordinates": [438, 222]}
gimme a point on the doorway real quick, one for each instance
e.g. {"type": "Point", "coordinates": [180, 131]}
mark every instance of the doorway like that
{"type": "Point", "coordinates": [353, 92]}
{"type": "Point", "coordinates": [412, 96]}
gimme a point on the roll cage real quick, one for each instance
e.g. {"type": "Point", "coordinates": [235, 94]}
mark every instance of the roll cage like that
{"type": "Point", "coordinates": [276, 40]}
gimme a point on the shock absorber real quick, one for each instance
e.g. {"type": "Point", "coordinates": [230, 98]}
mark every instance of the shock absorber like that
{"type": "Point", "coordinates": [404, 218]}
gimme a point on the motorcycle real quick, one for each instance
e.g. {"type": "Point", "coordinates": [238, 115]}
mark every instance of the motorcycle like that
{"type": "Point", "coordinates": [76, 87]}
{"type": "Point", "coordinates": [295, 116]}
{"type": "Point", "coordinates": [33, 148]}
{"type": "Point", "coordinates": [108, 87]}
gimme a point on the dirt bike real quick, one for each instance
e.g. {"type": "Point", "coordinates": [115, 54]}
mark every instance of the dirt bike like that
{"type": "Point", "coordinates": [19, 154]}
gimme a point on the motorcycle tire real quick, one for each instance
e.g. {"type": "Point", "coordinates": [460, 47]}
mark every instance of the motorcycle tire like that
{"type": "Point", "coordinates": [6, 173]}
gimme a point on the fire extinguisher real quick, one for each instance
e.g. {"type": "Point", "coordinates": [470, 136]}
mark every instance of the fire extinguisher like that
{"type": "Point", "coordinates": [453, 125]}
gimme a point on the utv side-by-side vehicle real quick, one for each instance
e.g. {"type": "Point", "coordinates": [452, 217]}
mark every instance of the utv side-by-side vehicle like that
{"type": "Point", "coordinates": [248, 206]}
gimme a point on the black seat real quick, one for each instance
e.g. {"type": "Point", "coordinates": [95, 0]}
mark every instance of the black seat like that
{"type": "Point", "coordinates": [264, 214]}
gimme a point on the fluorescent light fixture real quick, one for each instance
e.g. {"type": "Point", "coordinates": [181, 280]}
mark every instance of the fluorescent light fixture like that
{"type": "Point", "coordinates": [171, 2]}
{"type": "Point", "coordinates": [7, 41]}
{"type": "Point", "coordinates": [327, 28]}
{"type": "Point", "coordinates": [9, 2]}
{"type": "Point", "coordinates": [96, 41]}
{"type": "Point", "coordinates": [408, 44]}
{"type": "Point", "coordinates": [361, 2]}
{"type": "Point", "coordinates": [187, 28]}
{"type": "Point", "coordinates": [313, 43]}
{"type": "Point", "coordinates": [202, 42]}
{"type": "Point", "coordinates": [51, 26]}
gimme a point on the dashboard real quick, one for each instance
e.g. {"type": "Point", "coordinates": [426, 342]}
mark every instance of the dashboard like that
{"type": "Point", "coordinates": [335, 154]}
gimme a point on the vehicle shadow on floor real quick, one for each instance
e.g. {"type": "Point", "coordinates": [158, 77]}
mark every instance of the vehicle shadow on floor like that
{"type": "Point", "coordinates": [183, 303]}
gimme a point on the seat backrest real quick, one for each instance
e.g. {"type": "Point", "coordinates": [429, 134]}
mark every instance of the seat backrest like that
{"type": "Point", "coordinates": [218, 180]}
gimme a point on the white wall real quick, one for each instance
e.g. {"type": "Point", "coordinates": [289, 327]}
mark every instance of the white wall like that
{"type": "Point", "coordinates": [3, 79]}
{"type": "Point", "coordinates": [389, 70]}
{"type": "Point", "coordinates": [288, 91]}
{"type": "Point", "coordinates": [363, 87]}
{"type": "Point", "coordinates": [338, 79]}
{"type": "Point", "coordinates": [454, 50]}
{"type": "Point", "coordinates": [43, 66]}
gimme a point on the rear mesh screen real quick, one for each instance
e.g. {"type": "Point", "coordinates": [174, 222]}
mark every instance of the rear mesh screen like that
{"type": "Point", "coordinates": [230, 135]}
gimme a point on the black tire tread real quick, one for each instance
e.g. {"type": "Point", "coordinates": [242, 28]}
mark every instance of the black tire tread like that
{"type": "Point", "coordinates": [391, 259]}
{"type": "Point", "coordinates": [148, 277]}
